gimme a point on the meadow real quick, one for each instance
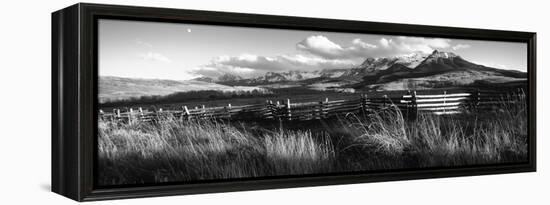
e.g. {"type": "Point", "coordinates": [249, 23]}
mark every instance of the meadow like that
{"type": "Point", "coordinates": [173, 150]}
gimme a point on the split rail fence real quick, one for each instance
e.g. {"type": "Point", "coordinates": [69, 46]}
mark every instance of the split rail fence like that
{"type": "Point", "coordinates": [411, 104]}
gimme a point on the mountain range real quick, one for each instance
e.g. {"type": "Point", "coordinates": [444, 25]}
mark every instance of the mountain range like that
{"type": "Point", "coordinates": [413, 71]}
{"type": "Point", "coordinates": [378, 71]}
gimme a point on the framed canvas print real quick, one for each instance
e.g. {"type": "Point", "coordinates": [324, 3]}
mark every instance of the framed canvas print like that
{"type": "Point", "coordinates": [154, 101]}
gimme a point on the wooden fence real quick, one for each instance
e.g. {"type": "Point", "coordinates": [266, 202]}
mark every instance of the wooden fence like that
{"type": "Point", "coordinates": [411, 104]}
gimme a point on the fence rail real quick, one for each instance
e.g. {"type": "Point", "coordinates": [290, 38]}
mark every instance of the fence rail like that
{"type": "Point", "coordinates": [410, 104]}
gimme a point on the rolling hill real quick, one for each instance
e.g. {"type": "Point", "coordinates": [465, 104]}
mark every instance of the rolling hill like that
{"type": "Point", "coordinates": [119, 88]}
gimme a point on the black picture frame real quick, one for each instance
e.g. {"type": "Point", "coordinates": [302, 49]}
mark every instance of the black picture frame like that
{"type": "Point", "coordinates": [75, 89]}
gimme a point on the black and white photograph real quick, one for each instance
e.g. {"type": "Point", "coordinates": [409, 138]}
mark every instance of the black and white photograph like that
{"type": "Point", "coordinates": [188, 103]}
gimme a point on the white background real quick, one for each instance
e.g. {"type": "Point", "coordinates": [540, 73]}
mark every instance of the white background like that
{"type": "Point", "coordinates": [25, 105]}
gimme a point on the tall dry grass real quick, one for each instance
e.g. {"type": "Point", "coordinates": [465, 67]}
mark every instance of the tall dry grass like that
{"type": "Point", "coordinates": [175, 150]}
{"type": "Point", "coordinates": [473, 138]}
{"type": "Point", "coordinates": [191, 150]}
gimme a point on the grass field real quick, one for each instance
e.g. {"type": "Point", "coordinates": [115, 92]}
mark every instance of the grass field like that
{"type": "Point", "coordinates": [174, 150]}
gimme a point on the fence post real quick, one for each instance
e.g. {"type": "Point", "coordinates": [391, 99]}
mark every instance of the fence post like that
{"type": "Point", "coordinates": [159, 113]}
{"type": "Point", "coordinates": [288, 112]}
{"type": "Point", "coordinates": [101, 113]}
{"type": "Point", "coordinates": [320, 111]}
{"type": "Point", "coordinates": [113, 116]}
{"type": "Point", "coordinates": [325, 108]}
{"type": "Point", "coordinates": [474, 101]}
{"type": "Point", "coordinates": [444, 102]}
{"type": "Point", "coordinates": [408, 103]}
{"type": "Point", "coordinates": [130, 115]}
{"type": "Point", "coordinates": [478, 97]}
{"type": "Point", "coordinates": [277, 110]}
{"type": "Point", "coordinates": [272, 109]}
{"type": "Point", "coordinates": [183, 113]}
{"type": "Point", "coordinates": [141, 113]}
{"type": "Point", "coordinates": [186, 112]}
{"type": "Point", "coordinates": [229, 110]}
{"type": "Point", "coordinates": [268, 112]}
{"type": "Point", "coordinates": [414, 114]}
{"type": "Point", "coordinates": [364, 99]}
{"type": "Point", "coordinates": [118, 113]}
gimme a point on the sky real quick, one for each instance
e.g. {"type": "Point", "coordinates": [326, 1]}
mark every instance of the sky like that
{"type": "Point", "coordinates": [177, 51]}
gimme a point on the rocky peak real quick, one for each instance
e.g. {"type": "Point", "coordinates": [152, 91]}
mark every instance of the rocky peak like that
{"type": "Point", "coordinates": [229, 78]}
{"type": "Point", "coordinates": [439, 54]}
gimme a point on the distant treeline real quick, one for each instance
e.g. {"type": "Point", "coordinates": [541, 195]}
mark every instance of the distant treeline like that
{"type": "Point", "coordinates": [208, 95]}
{"type": "Point", "coordinates": [186, 97]}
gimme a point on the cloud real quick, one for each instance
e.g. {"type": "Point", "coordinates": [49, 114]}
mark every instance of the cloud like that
{"type": "Point", "coordinates": [318, 52]}
{"type": "Point", "coordinates": [143, 43]}
{"type": "Point", "coordinates": [248, 65]}
{"type": "Point", "coordinates": [154, 56]}
{"type": "Point", "coordinates": [461, 46]}
{"type": "Point", "coordinates": [150, 55]}
{"type": "Point", "coordinates": [385, 42]}
{"type": "Point", "coordinates": [323, 47]}
{"type": "Point", "coordinates": [320, 45]}
{"type": "Point", "coordinates": [405, 45]}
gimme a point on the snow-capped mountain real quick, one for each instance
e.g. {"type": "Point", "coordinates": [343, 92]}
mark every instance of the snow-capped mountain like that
{"type": "Point", "coordinates": [437, 63]}
{"type": "Point", "coordinates": [288, 76]}
{"type": "Point", "coordinates": [372, 66]}
{"type": "Point", "coordinates": [410, 60]}
{"type": "Point", "coordinates": [285, 76]}
{"type": "Point", "coordinates": [229, 78]}
{"type": "Point", "coordinates": [444, 61]}
{"type": "Point", "coordinates": [376, 71]}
